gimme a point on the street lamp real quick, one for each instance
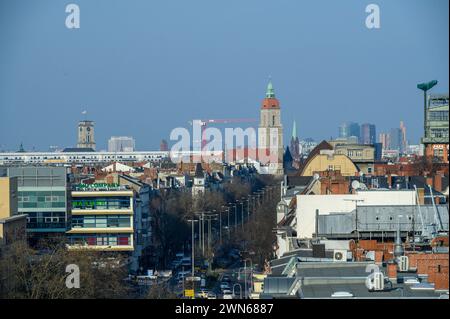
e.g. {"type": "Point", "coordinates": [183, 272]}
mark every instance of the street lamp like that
{"type": "Point", "coordinates": [245, 274]}
{"type": "Point", "coordinates": [192, 245]}
{"type": "Point", "coordinates": [242, 213]}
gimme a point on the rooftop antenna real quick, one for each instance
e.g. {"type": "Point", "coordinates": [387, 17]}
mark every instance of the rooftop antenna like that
{"type": "Point", "coordinates": [420, 211]}
{"type": "Point", "coordinates": [85, 114]}
{"type": "Point", "coordinates": [398, 249]}
{"type": "Point", "coordinates": [437, 217]}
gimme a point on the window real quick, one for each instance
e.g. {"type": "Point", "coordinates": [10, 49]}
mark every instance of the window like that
{"type": "Point", "coordinates": [91, 241]}
{"type": "Point", "coordinates": [438, 152]}
{"type": "Point", "coordinates": [121, 240]}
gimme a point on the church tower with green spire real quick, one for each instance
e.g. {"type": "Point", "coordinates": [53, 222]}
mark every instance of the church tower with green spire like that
{"type": "Point", "coordinates": [294, 146]}
{"type": "Point", "coordinates": [270, 134]}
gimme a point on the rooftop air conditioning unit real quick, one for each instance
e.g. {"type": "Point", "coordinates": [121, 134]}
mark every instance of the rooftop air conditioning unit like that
{"type": "Point", "coordinates": [403, 264]}
{"type": "Point", "coordinates": [339, 255]}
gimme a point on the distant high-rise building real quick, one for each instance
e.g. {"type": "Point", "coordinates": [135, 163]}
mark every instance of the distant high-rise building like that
{"type": "Point", "coordinates": [367, 134]}
{"type": "Point", "coordinates": [404, 140]}
{"type": "Point", "coordinates": [121, 144]}
{"type": "Point", "coordinates": [395, 139]}
{"type": "Point", "coordinates": [349, 129]}
{"type": "Point", "coordinates": [384, 140]}
{"type": "Point", "coordinates": [163, 146]}
{"type": "Point", "coordinates": [86, 135]}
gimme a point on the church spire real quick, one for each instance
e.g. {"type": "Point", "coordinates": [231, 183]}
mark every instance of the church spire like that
{"type": "Point", "coordinates": [294, 130]}
{"type": "Point", "coordinates": [270, 93]}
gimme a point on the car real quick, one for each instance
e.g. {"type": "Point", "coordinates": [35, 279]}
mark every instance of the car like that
{"type": "Point", "coordinates": [203, 293]}
{"type": "Point", "coordinates": [226, 278]}
{"type": "Point", "coordinates": [224, 285]}
{"type": "Point", "coordinates": [227, 294]}
{"type": "Point", "coordinates": [211, 295]}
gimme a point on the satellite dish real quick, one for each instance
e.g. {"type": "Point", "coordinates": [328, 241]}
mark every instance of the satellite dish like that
{"type": "Point", "coordinates": [356, 185]}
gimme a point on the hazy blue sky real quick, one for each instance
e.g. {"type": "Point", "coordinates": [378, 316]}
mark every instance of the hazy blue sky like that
{"type": "Point", "coordinates": [141, 68]}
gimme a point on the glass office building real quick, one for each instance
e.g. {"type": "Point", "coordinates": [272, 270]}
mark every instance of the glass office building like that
{"type": "Point", "coordinates": [43, 196]}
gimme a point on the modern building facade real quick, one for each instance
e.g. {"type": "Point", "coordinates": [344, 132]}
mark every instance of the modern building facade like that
{"type": "Point", "coordinates": [395, 139]}
{"type": "Point", "coordinates": [43, 196]}
{"type": "Point", "coordinates": [86, 135]}
{"type": "Point", "coordinates": [270, 134]}
{"type": "Point", "coordinates": [102, 217]}
{"type": "Point", "coordinates": [121, 144]}
{"type": "Point", "coordinates": [436, 139]}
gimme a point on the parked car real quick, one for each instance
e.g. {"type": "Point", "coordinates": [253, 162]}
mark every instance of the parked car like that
{"type": "Point", "coordinates": [227, 294]}
{"type": "Point", "coordinates": [224, 285]}
{"type": "Point", "coordinates": [211, 295]}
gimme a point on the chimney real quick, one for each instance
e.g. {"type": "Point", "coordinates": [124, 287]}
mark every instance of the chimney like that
{"type": "Point", "coordinates": [392, 270]}
{"type": "Point", "coordinates": [421, 194]}
{"type": "Point", "coordinates": [438, 182]}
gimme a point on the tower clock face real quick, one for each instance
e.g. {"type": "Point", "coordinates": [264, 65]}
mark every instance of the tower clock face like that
{"type": "Point", "coordinates": [88, 129]}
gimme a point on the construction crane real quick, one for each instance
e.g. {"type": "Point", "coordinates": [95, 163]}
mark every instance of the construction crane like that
{"type": "Point", "coordinates": [203, 124]}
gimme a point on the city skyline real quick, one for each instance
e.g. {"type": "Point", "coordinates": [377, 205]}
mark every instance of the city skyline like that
{"type": "Point", "coordinates": [180, 74]}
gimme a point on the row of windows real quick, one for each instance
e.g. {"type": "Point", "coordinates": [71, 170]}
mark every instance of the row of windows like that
{"type": "Point", "coordinates": [390, 218]}
{"type": "Point", "coordinates": [100, 240]}
{"type": "Point", "coordinates": [42, 204]}
{"type": "Point", "coordinates": [102, 203]}
{"type": "Point", "coordinates": [439, 132]}
{"type": "Point", "coordinates": [46, 214]}
{"type": "Point", "coordinates": [42, 193]}
{"type": "Point", "coordinates": [438, 116]}
{"type": "Point", "coordinates": [438, 152]}
{"type": "Point", "coordinates": [357, 153]}
{"type": "Point", "coordinates": [101, 221]}
{"type": "Point", "coordinates": [41, 198]}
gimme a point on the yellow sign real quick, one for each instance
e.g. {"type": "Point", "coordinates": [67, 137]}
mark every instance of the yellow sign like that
{"type": "Point", "coordinates": [189, 293]}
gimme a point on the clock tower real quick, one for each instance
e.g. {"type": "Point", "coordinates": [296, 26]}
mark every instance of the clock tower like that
{"type": "Point", "coordinates": [86, 135]}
